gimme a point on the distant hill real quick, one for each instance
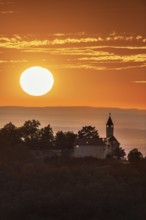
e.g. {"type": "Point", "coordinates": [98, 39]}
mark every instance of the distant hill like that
{"type": "Point", "coordinates": [130, 124]}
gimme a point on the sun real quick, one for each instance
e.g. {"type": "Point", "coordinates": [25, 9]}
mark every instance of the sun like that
{"type": "Point", "coordinates": [36, 81]}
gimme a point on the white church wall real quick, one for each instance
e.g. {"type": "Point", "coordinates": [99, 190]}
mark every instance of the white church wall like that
{"type": "Point", "coordinates": [90, 151]}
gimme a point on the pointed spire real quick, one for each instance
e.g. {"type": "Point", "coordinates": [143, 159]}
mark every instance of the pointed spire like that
{"type": "Point", "coordinates": [109, 122]}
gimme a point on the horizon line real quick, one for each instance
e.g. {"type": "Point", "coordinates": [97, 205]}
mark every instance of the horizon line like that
{"type": "Point", "coordinates": [73, 106]}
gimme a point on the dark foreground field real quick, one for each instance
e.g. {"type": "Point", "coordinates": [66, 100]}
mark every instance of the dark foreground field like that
{"type": "Point", "coordinates": [70, 189]}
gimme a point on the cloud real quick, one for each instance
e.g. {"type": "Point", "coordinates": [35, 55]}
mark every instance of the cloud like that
{"type": "Point", "coordinates": [141, 82]}
{"type": "Point", "coordinates": [73, 41]}
{"type": "Point", "coordinates": [7, 12]}
{"type": "Point", "coordinates": [60, 39]}
{"type": "Point", "coordinates": [16, 42]}
{"type": "Point", "coordinates": [13, 61]}
{"type": "Point", "coordinates": [7, 4]}
{"type": "Point", "coordinates": [77, 66]}
{"type": "Point", "coordinates": [114, 57]}
{"type": "Point", "coordinates": [80, 50]}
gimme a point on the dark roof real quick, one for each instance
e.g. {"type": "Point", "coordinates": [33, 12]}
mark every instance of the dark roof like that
{"type": "Point", "coordinates": [109, 122]}
{"type": "Point", "coordinates": [112, 139]}
{"type": "Point", "coordinates": [89, 141]}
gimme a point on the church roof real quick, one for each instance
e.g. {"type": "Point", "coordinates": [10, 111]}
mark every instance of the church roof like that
{"type": "Point", "coordinates": [112, 139]}
{"type": "Point", "coordinates": [109, 122]}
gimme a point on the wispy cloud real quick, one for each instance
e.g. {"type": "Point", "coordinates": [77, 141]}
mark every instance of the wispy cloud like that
{"type": "Point", "coordinates": [72, 41]}
{"type": "Point", "coordinates": [20, 42]}
{"type": "Point", "coordinates": [4, 5]}
{"type": "Point", "coordinates": [7, 12]}
{"type": "Point", "coordinates": [14, 61]}
{"type": "Point", "coordinates": [141, 82]}
{"type": "Point", "coordinates": [114, 57]}
{"type": "Point", "coordinates": [82, 51]}
{"type": "Point", "coordinates": [78, 66]}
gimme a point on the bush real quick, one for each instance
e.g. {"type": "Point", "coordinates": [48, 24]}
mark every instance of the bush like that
{"type": "Point", "coordinates": [135, 156]}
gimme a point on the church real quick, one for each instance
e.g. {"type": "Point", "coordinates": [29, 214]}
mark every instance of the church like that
{"type": "Point", "coordinates": [97, 147]}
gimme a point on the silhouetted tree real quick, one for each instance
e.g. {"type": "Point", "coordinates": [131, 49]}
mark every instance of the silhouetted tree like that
{"type": "Point", "coordinates": [135, 155]}
{"type": "Point", "coordinates": [65, 140]}
{"type": "Point", "coordinates": [119, 152]}
{"type": "Point", "coordinates": [88, 132]}
{"type": "Point", "coordinates": [11, 134]}
{"type": "Point", "coordinates": [46, 138]}
{"type": "Point", "coordinates": [70, 138]}
{"type": "Point", "coordinates": [30, 133]}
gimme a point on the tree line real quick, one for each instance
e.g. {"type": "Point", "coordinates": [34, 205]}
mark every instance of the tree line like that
{"type": "Point", "coordinates": [35, 137]}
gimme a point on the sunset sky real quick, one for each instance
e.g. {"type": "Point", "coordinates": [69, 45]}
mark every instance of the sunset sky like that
{"type": "Point", "coordinates": [96, 50]}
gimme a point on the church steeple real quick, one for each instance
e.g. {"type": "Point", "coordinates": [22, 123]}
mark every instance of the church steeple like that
{"type": "Point", "coordinates": [109, 127]}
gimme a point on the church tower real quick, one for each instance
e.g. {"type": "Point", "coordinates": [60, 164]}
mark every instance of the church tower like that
{"type": "Point", "coordinates": [109, 127]}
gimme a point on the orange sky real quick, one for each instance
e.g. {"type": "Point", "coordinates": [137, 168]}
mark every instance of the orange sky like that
{"type": "Point", "coordinates": [96, 50]}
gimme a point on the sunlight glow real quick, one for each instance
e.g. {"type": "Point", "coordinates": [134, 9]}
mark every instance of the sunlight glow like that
{"type": "Point", "coordinates": [36, 81]}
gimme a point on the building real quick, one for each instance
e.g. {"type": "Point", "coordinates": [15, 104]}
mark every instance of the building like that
{"type": "Point", "coordinates": [98, 147]}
